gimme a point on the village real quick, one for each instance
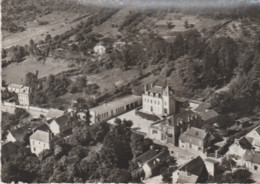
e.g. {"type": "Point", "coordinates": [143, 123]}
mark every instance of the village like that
{"type": "Point", "coordinates": [176, 123]}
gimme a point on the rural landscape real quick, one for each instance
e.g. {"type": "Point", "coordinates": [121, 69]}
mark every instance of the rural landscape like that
{"type": "Point", "coordinates": [130, 91]}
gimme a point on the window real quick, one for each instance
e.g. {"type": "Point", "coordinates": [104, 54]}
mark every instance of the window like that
{"type": "Point", "coordinates": [199, 148]}
{"type": "Point", "coordinates": [155, 131]}
{"type": "Point", "coordinates": [190, 145]}
{"type": "Point", "coordinates": [255, 168]}
{"type": "Point", "coordinates": [34, 149]}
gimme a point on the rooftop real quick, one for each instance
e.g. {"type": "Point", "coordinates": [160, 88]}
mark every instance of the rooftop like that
{"type": "Point", "coordinates": [20, 133]}
{"type": "Point", "coordinates": [63, 119]}
{"type": "Point", "coordinates": [208, 115]}
{"type": "Point", "coordinates": [54, 113]}
{"type": "Point", "coordinates": [156, 89]}
{"type": "Point", "coordinates": [116, 103]}
{"type": "Point", "coordinates": [146, 156]}
{"type": "Point", "coordinates": [253, 157]}
{"type": "Point", "coordinates": [158, 159]}
{"type": "Point", "coordinates": [245, 144]}
{"type": "Point", "coordinates": [194, 135]}
{"type": "Point", "coordinates": [202, 107]}
{"type": "Point", "coordinates": [194, 167]}
{"type": "Point", "coordinates": [15, 85]}
{"type": "Point", "coordinates": [40, 135]}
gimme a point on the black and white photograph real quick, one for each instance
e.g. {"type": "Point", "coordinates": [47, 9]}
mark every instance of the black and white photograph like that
{"type": "Point", "coordinates": [130, 91]}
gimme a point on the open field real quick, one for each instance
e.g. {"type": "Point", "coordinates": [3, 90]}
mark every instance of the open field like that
{"type": "Point", "coordinates": [15, 72]}
{"type": "Point", "coordinates": [59, 22]}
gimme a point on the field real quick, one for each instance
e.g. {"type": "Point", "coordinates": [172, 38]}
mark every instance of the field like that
{"type": "Point", "coordinates": [15, 72]}
{"type": "Point", "coordinates": [59, 22]}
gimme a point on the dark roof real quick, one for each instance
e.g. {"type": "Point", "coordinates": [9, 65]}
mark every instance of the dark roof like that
{"type": "Point", "coordinates": [20, 133]}
{"type": "Point", "coordinates": [194, 136]}
{"type": "Point", "coordinates": [63, 119]}
{"type": "Point", "coordinates": [253, 157]}
{"type": "Point", "coordinates": [158, 159]}
{"type": "Point", "coordinates": [146, 156]}
{"type": "Point", "coordinates": [202, 107]}
{"type": "Point", "coordinates": [245, 144]}
{"type": "Point", "coordinates": [208, 115]}
{"type": "Point", "coordinates": [9, 148]}
{"type": "Point", "coordinates": [43, 127]}
{"type": "Point", "coordinates": [195, 166]}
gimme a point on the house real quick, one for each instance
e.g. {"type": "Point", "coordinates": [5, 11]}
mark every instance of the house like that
{"type": "Point", "coordinates": [194, 171]}
{"type": "Point", "coordinates": [14, 87]}
{"type": "Point", "coordinates": [170, 129]}
{"type": "Point", "coordinates": [24, 96]}
{"type": "Point", "coordinates": [54, 113]}
{"type": "Point", "coordinates": [239, 147]}
{"type": "Point", "coordinates": [193, 104]}
{"type": "Point", "coordinates": [151, 161]}
{"type": "Point", "coordinates": [18, 134]}
{"type": "Point", "coordinates": [22, 91]}
{"type": "Point", "coordinates": [109, 110]}
{"type": "Point", "coordinates": [254, 138]}
{"type": "Point", "coordinates": [158, 100]}
{"type": "Point", "coordinates": [251, 161]}
{"type": "Point", "coordinates": [146, 156]}
{"type": "Point", "coordinates": [211, 166]}
{"type": "Point", "coordinates": [195, 140]}
{"type": "Point", "coordinates": [61, 124]}
{"type": "Point", "coordinates": [40, 140]}
{"type": "Point", "coordinates": [206, 114]}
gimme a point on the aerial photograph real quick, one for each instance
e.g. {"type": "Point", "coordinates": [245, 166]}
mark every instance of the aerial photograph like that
{"type": "Point", "coordinates": [130, 91]}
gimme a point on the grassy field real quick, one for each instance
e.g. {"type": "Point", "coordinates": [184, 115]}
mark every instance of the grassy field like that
{"type": "Point", "coordinates": [59, 22]}
{"type": "Point", "coordinates": [15, 72]}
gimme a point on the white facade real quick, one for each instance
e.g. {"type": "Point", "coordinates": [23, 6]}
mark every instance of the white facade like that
{"type": "Point", "coordinates": [254, 135]}
{"type": "Point", "coordinates": [10, 137]}
{"type": "Point", "coordinates": [39, 141]}
{"type": "Point", "coordinates": [158, 101]}
{"type": "Point", "coordinates": [236, 149]}
{"type": "Point", "coordinates": [23, 93]}
{"type": "Point", "coordinates": [55, 128]}
{"type": "Point", "coordinates": [109, 110]}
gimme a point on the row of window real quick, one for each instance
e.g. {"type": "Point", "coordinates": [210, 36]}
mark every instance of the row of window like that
{"type": "Point", "coordinates": [151, 101]}
{"type": "Point", "coordinates": [119, 109]}
{"type": "Point", "coordinates": [39, 143]}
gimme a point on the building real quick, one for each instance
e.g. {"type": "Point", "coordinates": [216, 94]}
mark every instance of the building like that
{"type": "Point", "coordinates": [170, 129]}
{"type": "Point", "coordinates": [24, 96]}
{"type": "Point", "coordinates": [194, 171]}
{"type": "Point", "coordinates": [54, 113]}
{"type": "Point", "coordinates": [61, 124]}
{"type": "Point", "coordinates": [239, 147]}
{"type": "Point", "coordinates": [109, 110]}
{"type": "Point", "coordinates": [14, 88]}
{"type": "Point", "coordinates": [251, 161]}
{"type": "Point", "coordinates": [40, 140]}
{"type": "Point", "coordinates": [159, 101]}
{"type": "Point", "coordinates": [23, 93]}
{"type": "Point", "coordinates": [211, 166]}
{"type": "Point", "coordinates": [151, 161]}
{"type": "Point", "coordinates": [195, 140]}
{"type": "Point", "coordinates": [254, 138]}
{"type": "Point", "coordinates": [18, 134]}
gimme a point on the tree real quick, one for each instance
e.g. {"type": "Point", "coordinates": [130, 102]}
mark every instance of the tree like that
{"type": "Point", "coordinates": [31, 79]}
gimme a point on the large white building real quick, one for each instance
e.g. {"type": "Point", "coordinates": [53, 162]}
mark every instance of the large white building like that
{"type": "Point", "coordinates": [109, 110]}
{"type": "Point", "coordinates": [22, 91]}
{"type": "Point", "coordinates": [39, 141]}
{"type": "Point", "coordinates": [159, 101]}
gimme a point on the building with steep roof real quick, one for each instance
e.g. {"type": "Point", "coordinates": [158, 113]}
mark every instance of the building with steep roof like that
{"type": "Point", "coordinates": [18, 134]}
{"type": "Point", "coordinates": [40, 140]}
{"type": "Point", "coordinates": [61, 124]}
{"type": "Point", "coordinates": [170, 128]}
{"type": "Point", "coordinates": [158, 100]}
{"type": "Point", "coordinates": [251, 161]}
{"type": "Point", "coordinates": [195, 139]}
{"type": "Point", "coordinates": [254, 138]}
{"type": "Point", "coordinates": [151, 161]}
{"type": "Point", "coordinates": [239, 147]}
{"type": "Point", "coordinates": [23, 93]}
{"type": "Point", "coordinates": [194, 171]}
